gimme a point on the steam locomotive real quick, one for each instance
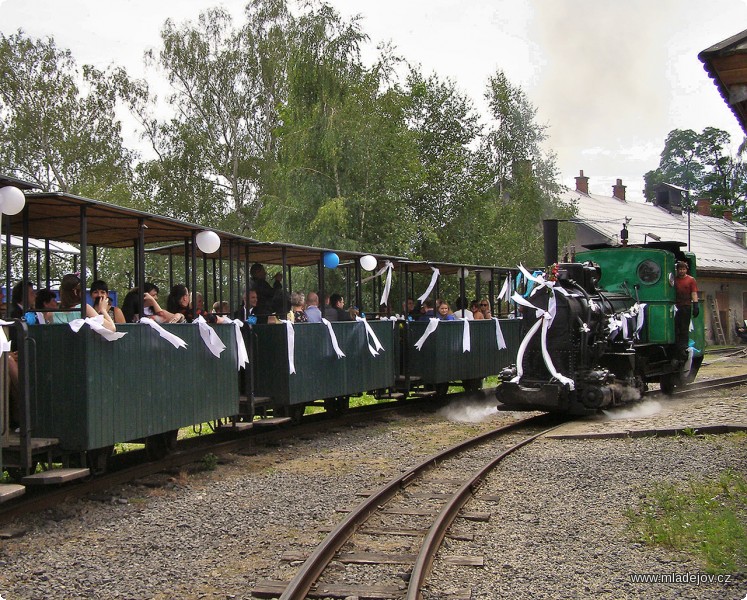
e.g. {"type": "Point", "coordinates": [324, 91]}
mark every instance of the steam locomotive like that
{"type": "Point", "coordinates": [598, 331]}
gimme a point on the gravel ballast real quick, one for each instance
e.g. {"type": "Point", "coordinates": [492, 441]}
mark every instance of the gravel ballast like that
{"type": "Point", "coordinates": [558, 531]}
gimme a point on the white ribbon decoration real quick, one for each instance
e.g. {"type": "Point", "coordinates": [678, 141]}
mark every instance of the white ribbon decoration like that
{"type": "Point", "coordinates": [290, 336]}
{"type": "Point", "coordinates": [641, 317]}
{"type": "Point", "coordinates": [97, 325]}
{"type": "Point", "coordinates": [499, 339]}
{"type": "Point", "coordinates": [241, 353]}
{"type": "Point", "coordinates": [431, 285]}
{"type": "Point", "coordinates": [333, 338]}
{"type": "Point", "coordinates": [4, 343]}
{"type": "Point", "coordinates": [370, 335]}
{"type": "Point", "coordinates": [428, 330]}
{"type": "Point", "coordinates": [174, 340]}
{"type": "Point", "coordinates": [466, 340]}
{"type": "Point", "coordinates": [389, 267]}
{"type": "Point", "coordinates": [504, 290]}
{"type": "Point", "coordinates": [544, 320]}
{"type": "Point", "coordinates": [208, 335]}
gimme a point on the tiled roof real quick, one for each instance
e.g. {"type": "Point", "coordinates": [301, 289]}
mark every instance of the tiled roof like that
{"type": "Point", "coordinates": [713, 240]}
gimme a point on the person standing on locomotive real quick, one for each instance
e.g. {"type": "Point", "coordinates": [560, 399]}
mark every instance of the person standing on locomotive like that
{"type": "Point", "coordinates": [686, 290]}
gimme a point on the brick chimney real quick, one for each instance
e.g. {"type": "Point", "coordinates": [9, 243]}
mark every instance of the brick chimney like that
{"type": "Point", "coordinates": [618, 190]}
{"type": "Point", "coordinates": [727, 214]}
{"type": "Point", "coordinates": [703, 206]}
{"type": "Point", "coordinates": [582, 183]}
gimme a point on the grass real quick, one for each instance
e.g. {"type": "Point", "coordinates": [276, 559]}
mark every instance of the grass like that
{"type": "Point", "coordinates": [705, 518]}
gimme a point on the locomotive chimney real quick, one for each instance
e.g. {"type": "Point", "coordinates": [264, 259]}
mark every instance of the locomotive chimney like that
{"type": "Point", "coordinates": [582, 183]}
{"type": "Point", "coordinates": [550, 231]}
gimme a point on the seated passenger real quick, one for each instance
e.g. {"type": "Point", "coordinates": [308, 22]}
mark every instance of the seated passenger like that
{"type": "Point", "coordinates": [313, 314]}
{"type": "Point", "coordinates": [485, 309]}
{"type": "Point", "coordinates": [428, 312]}
{"type": "Point", "coordinates": [443, 312]}
{"type": "Point", "coordinates": [130, 304]}
{"type": "Point", "coordinates": [250, 309]}
{"type": "Point", "coordinates": [17, 310]}
{"type": "Point", "coordinates": [336, 309]}
{"type": "Point", "coordinates": [265, 292]}
{"type": "Point", "coordinates": [476, 312]}
{"type": "Point", "coordinates": [297, 314]}
{"type": "Point", "coordinates": [178, 304]}
{"type": "Point", "coordinates": [71, 296]}
{"type": "Point", "coordinates": [46, 301]}
{"type": "Point", "coordinates": [100, 289]}
{"type": "Point", "coordinates": [462, 312]}
{"type": "Point", "coordinates": [220, 308]}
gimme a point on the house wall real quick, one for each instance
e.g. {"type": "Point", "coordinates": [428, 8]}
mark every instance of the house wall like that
{"type": "Point", "coordinates": [730, 295]}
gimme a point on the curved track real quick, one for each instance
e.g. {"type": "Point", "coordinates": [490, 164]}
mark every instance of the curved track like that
{"type": "Point", "coordinates": [385, 509]}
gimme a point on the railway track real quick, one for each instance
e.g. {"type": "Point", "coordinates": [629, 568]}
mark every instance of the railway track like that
{"type": "Point", "coordinates": [419, 505]}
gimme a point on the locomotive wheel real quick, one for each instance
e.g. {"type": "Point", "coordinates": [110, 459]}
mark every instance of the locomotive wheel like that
{"type": "Point", "coordinates": [161, 445]}
{"type": "Point", "coordinates": [668, 382]}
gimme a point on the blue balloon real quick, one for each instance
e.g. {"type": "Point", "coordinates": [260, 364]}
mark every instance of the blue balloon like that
{"type": "Point", "coordinates": [331, 260]}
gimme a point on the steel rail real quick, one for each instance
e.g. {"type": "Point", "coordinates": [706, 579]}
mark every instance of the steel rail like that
{"type": "Point", "coordinates": [313, 567]}
{"type": "Point", "coordinates": [447, 515]}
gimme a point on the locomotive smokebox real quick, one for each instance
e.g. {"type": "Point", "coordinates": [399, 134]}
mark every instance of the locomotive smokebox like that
{"type": "Point", "coordinates": [550, 232]}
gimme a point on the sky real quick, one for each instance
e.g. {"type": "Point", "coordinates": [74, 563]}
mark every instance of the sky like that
{"type": "Point", "coordinates": [609, 78]}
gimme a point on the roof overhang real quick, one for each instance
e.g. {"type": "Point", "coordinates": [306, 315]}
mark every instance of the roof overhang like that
{"type": "Point", "coordinates": [726, 64]}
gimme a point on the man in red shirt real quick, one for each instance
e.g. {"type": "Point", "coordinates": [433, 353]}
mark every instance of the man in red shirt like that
{"type": "Point", "coordinates": [686, 290]}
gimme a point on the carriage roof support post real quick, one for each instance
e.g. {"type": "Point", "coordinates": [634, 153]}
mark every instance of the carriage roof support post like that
{"type": "Point", "coordinates": [358, 285]}
{"type": "Point", "coordinates": [83, 259]}
{"type": "Point", "coordinates": [26, 306]}
{"type": "Point", "coordinates": [8, 258]}
{"type": "Point", "coordinates": [231, 295]}
{"type": "Point", "coordinates": [205, 260]}
{"type": "Point", "coordinates": [286, 281]}
{"type": "Point", "coordinates": [191, 280]}
{"type": "Point", "coordinates": [491, 293]}
{"type": "Point", "coordinates": [462, 291]}
{"type": "Point", "coordinates": [140, 264]}
{"type": "Point", "coordinates": [320, 277]}
{"type": "Point", "coordinates": [47, 265]}
{"type": "Point", "coordinates": [95, 256]}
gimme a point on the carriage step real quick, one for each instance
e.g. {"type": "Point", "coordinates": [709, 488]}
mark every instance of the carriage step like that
{"type": "Point", "coordinates": [272, 421]}
{"type": "Point", "coordinates": [237, 426]}
{"type": "Point", "coordinates": [55, 476]}
{"type": "Point", "coordinates": [423, 393]}
{"type": "Point", "coordinates": [8, 491]}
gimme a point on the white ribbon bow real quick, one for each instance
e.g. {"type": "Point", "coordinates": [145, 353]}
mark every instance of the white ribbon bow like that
{"type": "Point", "coordinates": [389, 267]}
{"type": "Point", "coordinates": [544, 320]}
{"type": "Point", "coordinates": [428, 330]}
{"type": "Point", "coordinates": [333, 338]}
{"type": "Point", "coordinates": [97, 325]}
{"type": "Point", "coordinates": [174, 340]}
{"type": "Point", "coordinates": [431, 285]}
{"type": "Point", "coordinates": [241, 353]}
{"type": "Point", "coordinates": [290, 336]}
{"type": "Point", "coordinates": [4, 343]}
{"type": "Point", "coordinates": [371, 337]}
{"type": "Point", "coordinates": [208, 335]}
{"type": "Point", "coordinates": [466, 340]}
{"type": "Point", "coordinates": [499, 339]}
{"type": "Point", "coordinates": [505, 289]}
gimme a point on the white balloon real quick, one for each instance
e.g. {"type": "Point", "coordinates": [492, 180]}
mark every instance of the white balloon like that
{"type": "Point", "coordinates": [485, 275]}
{"type": "Point", "coordinates": [12, 200]}
{"type": "Point", "coordinates": [463, 272]}
{"type": "Point", "coordinates": [208, 241]}
{"type": "Point", "coordinates": [368, 262]}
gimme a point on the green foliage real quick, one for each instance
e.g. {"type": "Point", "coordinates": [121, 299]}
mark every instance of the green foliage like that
{"type": "Point", "coordinates": [51, 132]}
{"type": "Point", "coordinates": [700, 162]}
{"type": "Point", "coordinates": [707, 518]}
